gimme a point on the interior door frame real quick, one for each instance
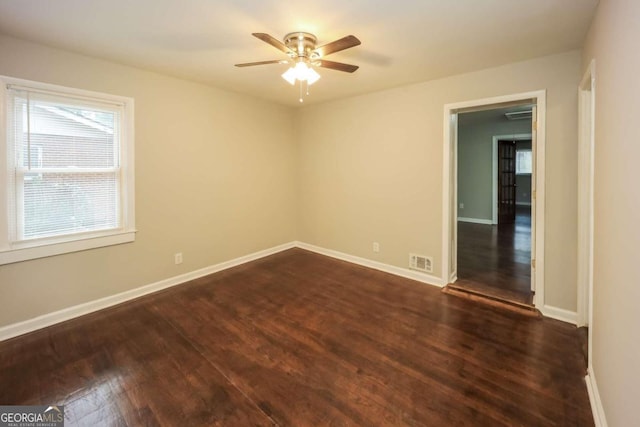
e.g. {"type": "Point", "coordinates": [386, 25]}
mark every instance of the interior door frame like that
{"type": "Point", "coordinates": [450, 184]}
{"type": "Point", "coordinates": [586, 148]}
{"type": "Point", "coordinates": [494, 168]}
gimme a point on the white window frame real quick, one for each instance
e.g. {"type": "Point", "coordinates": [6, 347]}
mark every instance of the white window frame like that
{"type": "Point", "coordinates": [11, 252]}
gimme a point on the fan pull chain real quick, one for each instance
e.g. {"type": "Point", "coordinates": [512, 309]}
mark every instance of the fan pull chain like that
{"type": "Point", "coordinates": [306, 92]}
{"type": "Point", "coordinates": [301, 100]}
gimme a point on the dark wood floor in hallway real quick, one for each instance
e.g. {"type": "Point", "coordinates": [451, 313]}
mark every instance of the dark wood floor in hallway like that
{"type": "Point", "coordinates": [299, 339]}
{"type": "Point", "coordinates": [496, 259]}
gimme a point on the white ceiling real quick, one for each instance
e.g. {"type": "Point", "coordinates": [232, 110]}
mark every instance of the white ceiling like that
{"type": "Point", "coordinates": [403, 41]}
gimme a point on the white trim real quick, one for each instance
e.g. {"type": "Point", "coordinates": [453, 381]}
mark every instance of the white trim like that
{"type": "Point", "coordinates": [20, 328]}
{"type": "Point", "coordinates": [12, 250]}
{"type": "Point", "coordinates": [534, 203]}
{"type": "Point", "coordinates": [449, 204]}
{"type": "Point", "coordinates": [559, 314]}
{"type": "Point", "coordinates": [127, 166]}
{"type": "Point", "coordinates": [586, 147]}
{"type": "Point", "coordinates": [57, 90]}
{"type": "Point", "coordinates": [586, 172]}
{"type": "Point", "coordinates": [597, 409]}
{"type": "Point", "coordinates": [449, 190]}
{"type": "Point", "coordinates": [58, 248]}
{"type": "Point", "coordinates": [475, 220]}
{"type": "Point", "coordinates": [454, 182]}
{"type": "Point", "coordinates": [49, 319]}
{"type": "Point", "coordinates": [494, 180]}
{"type": "Point", "coordinates": [4, 167]}
{"type": "Point", "coordinates": [391, 269]}
{"type": "Point", "coordinates": [494, 168]}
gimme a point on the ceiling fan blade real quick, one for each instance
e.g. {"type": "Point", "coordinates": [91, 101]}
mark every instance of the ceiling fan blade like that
{"type": "Point", "coordinates": [347, 68]}
{"type": "Point", "coordinates": [272, 41]}
{"type": "Point", "coordinates": [251, 64]}
{"type": "Point", "coordinates": [338, 45]}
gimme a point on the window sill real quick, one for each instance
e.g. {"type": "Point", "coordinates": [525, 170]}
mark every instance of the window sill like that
{"type": "Point", "coordinates": [46, 249]}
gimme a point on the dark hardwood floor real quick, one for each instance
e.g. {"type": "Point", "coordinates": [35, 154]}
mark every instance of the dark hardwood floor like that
{"type": "Point", "coordinates": [496, 260]}
{"type": "Point", "coordinates": [299, 339]}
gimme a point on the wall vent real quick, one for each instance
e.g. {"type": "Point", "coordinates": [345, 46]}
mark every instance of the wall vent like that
{"type": "Point", "coordinates": [519, 115]}
{"type": "Point", "coordinates": [421, 263]}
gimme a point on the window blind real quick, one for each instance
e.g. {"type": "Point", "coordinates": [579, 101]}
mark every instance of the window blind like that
{"type": "Point", "coordinates": [65, 164]}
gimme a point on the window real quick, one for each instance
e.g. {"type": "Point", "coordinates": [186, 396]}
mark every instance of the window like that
{"type": "Point", "coordinates": [523, 162]}
{"type": "Point", "coordinates": [69, 170]}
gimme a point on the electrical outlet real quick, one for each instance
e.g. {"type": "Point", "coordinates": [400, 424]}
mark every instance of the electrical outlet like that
{"type": "Point", "coordinates": [461, 205]}
{"type": "Point", "coordinates": [178, 258]}
{"type": "Point", "coordinates": [376, 247]}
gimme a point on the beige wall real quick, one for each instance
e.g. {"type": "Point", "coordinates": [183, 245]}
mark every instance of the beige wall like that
{"type": "Point", "coordinates": [475, 159]}
{"type": "Point", "coordinates": [371, 167]}
{"type": "Point", "coordinates": [613, 42]}
{"type": "Point", "coordinates": [214, 175]}
{"type": "Point", "coordinates": [220, 175]}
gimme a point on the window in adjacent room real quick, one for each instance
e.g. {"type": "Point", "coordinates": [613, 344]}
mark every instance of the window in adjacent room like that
{"type": "Point", "coordinates": [523, 162]}
{"type": "Point", "coordinates": [68, 170]}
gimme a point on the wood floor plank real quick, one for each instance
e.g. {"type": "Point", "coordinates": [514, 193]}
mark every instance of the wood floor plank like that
{"type": "Point", "coordinates": [124, 366]}
{"type": "Point", "coordinates": [303, 340]}
{"type": "Point", "coordinates": [495, 260]}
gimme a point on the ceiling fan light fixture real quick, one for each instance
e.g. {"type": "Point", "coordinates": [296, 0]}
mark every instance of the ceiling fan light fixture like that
{"type": "Point", "coordinates": [290, 76]}
{"type": "Point", "coordinates": [301, 72]}
{"type": "Point", "coordinates": [304, 53]}
{"type": "Point", "coordinates": [312, 76]}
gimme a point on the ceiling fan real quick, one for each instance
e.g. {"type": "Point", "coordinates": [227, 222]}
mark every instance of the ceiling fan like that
{"type": "Point", "coordinates": [303, 55]}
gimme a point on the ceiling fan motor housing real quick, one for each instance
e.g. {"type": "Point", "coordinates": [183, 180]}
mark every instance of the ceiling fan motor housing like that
{"type": "Point", "coordinates": [302, 45]}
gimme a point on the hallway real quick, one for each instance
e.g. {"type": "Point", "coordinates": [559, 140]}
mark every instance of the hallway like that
{"type": "Point", "coordinates": [496, 260]}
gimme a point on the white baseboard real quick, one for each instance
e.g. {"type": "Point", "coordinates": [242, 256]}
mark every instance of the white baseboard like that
{"type": "Point", "coordinates": [594, 398]}
{"type": "Point", "coordinates": [559, 314]}
{"type": "Point", "coordinates": [49, 319]}
{"type": "Point", "coordinates": [475, 220]}
{"type": "Point", "coordinates": [30, 325]}
{"type": "Point", "coordinates": [398, 271]}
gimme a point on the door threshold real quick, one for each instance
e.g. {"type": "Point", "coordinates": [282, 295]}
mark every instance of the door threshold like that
{"type": "Point", "coordinates": [518, 307]}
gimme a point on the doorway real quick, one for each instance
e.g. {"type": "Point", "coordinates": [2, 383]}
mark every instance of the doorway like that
{"type": "Point", "coordinates": [494, 203]}
{"type": "Point", "coordinates": [526, 222]}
